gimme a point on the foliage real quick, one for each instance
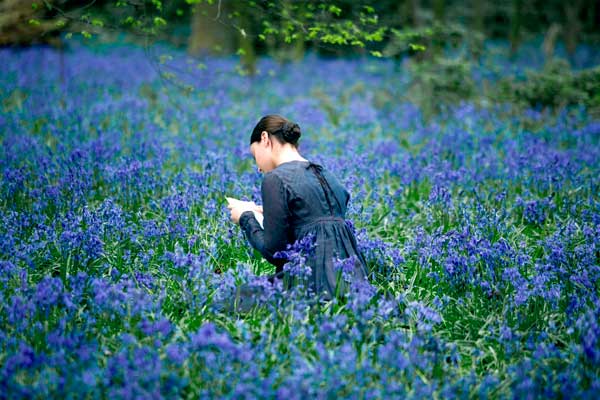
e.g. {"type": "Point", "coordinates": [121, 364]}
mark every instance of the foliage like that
{"type": "Point", "coordinates": [588, 81]}
{"type": "Point", "coordinates": [436, 35]}
{"type": "Point", "coordinates": [440, 83]}
{"type": "Point", "coordinates": [317, 21]}
{"type": "Point", "coordinates": [556, 85]}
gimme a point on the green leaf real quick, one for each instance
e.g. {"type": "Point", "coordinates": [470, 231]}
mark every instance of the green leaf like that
{"type": "Point", "coordinates": [68, 35]}
{"type": "Point", "coordinates": [179, 12]}
{"type": "Point", "coordinates": [34, 6]}
{"type": "Point", "coordinates": [376, 53]}
{"type": "Point", "coordinates": [34, 21]}
{"type": "Point", "coordinates": [333, 39]}
{"type": "Point", "coordinates": [416, 47]}
{"type": "Point", "coordinates": [86, 34]}
{"type": "Point", "coordinates": [158, 21]}
{"type": "Point", "coordinates": [313, 31]}
{"type": "Point", "coordinates": [376, 36]}
{"type": "Point", "coordinates": [335, 10]}
{"type": "Point", "coordinates": [97, 22]}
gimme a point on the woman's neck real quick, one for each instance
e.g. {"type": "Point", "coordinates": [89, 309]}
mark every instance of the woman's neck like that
{"type": "Point", "coordinates": [288, 154]}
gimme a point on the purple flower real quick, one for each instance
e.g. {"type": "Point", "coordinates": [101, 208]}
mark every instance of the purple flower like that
{"type": "Point", "coordinates": [346, 267]}
{"type": "Point", "coordinates": [49, 292]}
{"type": "Point", "coordinates": [296, 255]}
{"type": "Point", "coordinates": [425, 316]}
{"type": "Point", "coordinates": [162, 327]}
{"type": "Point", "coordinates": [177, 353]}
{"type": "Point", "coordinates": [208, 337]}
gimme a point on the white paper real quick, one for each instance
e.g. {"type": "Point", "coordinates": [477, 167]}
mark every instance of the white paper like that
{"type": "Point", "coordinates": [235, 202]}
{"type": "Point", "coordinates": [259, 217]}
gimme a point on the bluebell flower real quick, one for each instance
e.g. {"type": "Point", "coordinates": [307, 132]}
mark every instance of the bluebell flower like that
{"type": "Point", "coordinates": [177, 352]}
{"type": "Point", "coordinates": [49, 292]}
{"type": "Point", "coordinates": [296, 255]}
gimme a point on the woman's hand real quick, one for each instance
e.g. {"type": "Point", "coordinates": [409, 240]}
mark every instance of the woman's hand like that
{"type": "Point", "coordinates": [239, 208]}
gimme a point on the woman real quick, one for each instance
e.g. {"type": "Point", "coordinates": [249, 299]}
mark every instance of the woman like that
{"type": "Point", "coordinates": [299, 198]}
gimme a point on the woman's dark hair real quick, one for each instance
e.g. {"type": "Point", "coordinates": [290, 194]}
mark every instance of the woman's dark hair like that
{"type": "Point", "coordinates": [283, 129]}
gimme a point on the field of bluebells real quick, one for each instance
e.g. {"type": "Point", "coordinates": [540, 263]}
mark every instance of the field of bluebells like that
{"type": "Point", "coordinates": [481, 228]}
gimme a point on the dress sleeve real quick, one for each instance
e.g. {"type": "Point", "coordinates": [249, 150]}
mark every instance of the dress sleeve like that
{"type": "Point", "coordinates": [274, 236]}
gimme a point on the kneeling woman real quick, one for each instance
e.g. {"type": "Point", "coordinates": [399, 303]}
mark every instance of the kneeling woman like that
{"type": "Point", "coordinates": [299, 198]}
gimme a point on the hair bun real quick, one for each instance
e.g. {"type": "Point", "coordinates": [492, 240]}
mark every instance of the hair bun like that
{"type": "Point", "coordinates": [291, 132]}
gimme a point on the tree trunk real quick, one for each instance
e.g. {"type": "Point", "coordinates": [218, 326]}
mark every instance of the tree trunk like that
{"type": "Point", "coordinates": [286, 52]}
{"type": "Point", "coordinates": [515, 26]}
{"type": "Point", "coordinates": [550, 41]}
{"type": "Point", "coordinates": [299, 46]}
{"type": "Point", "coordinates": [438, 41]}
{"type": "Point", "coordinates": [411, 7]}
{"type": "Point", "coordinates": [594, 14]}
{"type": "Point", "coordinates": [246, 45]}
{"type": "Point", "coordinates": [572, 25]}
{"type": "Point", "coordinates": [210, 32]}
{"type": "Point", "coordinates": [412, 18]}
{"type": "Point", "coordinates": [478, 16]}
{"type": "Point", "coordinates": [16, 28]}
{"type": "Point", "coordinates": [438, 10]}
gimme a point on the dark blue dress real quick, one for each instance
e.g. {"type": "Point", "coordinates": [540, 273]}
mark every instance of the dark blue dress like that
{"type": "Point", "coordinates": [301, 198]}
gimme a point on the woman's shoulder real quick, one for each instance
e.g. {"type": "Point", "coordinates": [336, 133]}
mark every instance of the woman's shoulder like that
{"type": "Point", "coordinates": [296, 168]}
{"type": "Point", "coordinates": [287, 175]}
{"type": "Point", "coordinates": [277, 177]}
{"type": "Point", "coordinates": [288, 169]}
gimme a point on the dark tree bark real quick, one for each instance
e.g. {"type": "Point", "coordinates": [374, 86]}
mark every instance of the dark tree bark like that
{"type": "Point", "coordinates": [438, 10]}
{"type": "Point", "coordinates": [210, 30]}
{"type": "Point", "coordinates": [572, 24]}
{"type": "Point", "coordinates": [550, 41]}
{"type": "Point", "coordinates": [410, 10]}
{"type": "Point", "coordinates": [478, 16]}
{"type": "Point", "coordinates": [515, 26]}
{"type": "Point", "coordinates": [246, 45]}
{"type": "Point", "coordinates": [15, 26]}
